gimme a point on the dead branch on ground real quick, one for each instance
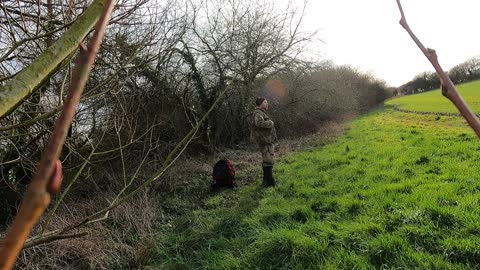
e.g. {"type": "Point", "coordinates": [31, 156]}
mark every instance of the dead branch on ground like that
{"type": "Point", "coordinates": [448, 89]}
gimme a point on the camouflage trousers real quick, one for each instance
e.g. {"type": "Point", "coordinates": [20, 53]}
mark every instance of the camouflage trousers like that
{"type": "Point", "coordinates": [268, 152]}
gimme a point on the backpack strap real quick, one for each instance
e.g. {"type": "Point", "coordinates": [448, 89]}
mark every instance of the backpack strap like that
{"type": "Point", "coordinates": [230, 169]}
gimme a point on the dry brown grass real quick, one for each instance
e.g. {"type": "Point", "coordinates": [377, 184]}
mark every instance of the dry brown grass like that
{"type": "Point", "coordinates": [114, 242]}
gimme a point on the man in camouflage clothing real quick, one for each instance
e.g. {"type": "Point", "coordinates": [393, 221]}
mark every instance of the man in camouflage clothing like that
{"type": "Point", "coordinates": [263, 134]}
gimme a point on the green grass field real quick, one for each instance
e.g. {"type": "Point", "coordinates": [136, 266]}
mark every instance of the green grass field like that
{"type": "Point", "coordinates": [397, 190]}
{"type": "Point", "coordinates": [433, 101]}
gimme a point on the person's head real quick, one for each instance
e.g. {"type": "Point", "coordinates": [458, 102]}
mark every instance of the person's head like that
{"type": "Point", "coordinates": [261, 103]}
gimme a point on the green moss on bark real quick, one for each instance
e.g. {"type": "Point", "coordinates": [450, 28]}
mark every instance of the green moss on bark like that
{"type": "Point", "coordinates": [29, 79]}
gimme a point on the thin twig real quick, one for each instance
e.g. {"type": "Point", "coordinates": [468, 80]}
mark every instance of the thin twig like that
{"type": "Point", "coordinates": [30, 78]}
{"type": "Point", "coordinates": [52, 238]}
{"type": "Point", "coordinates": [65, 192]}
{"type": "Point", "coordinates": [169, 161]}
{"type": "Point", "coordinates": [448, 89]}
{"type": "Point", "coordinates": [86, 97]}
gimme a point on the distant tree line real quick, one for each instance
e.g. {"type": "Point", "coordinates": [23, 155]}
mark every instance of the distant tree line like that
{"type": "Point", "coordinates": [426, 81]}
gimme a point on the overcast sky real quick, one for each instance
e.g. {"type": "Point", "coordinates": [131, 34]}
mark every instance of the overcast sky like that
{"type": "Point", "coordinates": [366, 34]}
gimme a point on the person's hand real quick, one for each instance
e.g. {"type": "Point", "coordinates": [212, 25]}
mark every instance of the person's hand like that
{"type": "Point", "coordinates": [55, 180]}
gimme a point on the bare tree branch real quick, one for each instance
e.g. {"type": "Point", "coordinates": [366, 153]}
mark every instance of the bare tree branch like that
{"type": "Point", "coordinates": [52, 238]}
{"type": "Point", "coordinates": [168, 162]}
{"type": "Point", "coordinates": [448, 89]}
{"type": "Point", "coordinates": [37, 197]}
{"type": "Point", "coordinates": [29, 79]}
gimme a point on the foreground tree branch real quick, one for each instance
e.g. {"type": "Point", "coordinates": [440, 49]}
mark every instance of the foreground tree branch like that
{"type": "Point", "coordinates": [104, 213]}
{"type": "Point", "coordinates": [38, 194]}
{"type": "Point", "coordinates": [448, 89]}
{"type": "Point", "coordinates": [31, 78]}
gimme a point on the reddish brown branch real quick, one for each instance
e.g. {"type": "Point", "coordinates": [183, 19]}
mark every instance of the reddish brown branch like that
{"type": "Point", "coordinates": [52, 238]}
{"type": "Point", "coordinates": [448, 89]}
{"type": "Point", "coordinates": [37, 196]}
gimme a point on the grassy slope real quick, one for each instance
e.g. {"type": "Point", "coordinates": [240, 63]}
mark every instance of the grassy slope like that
{"type": "Point", "coordinates": [433, 101]}
{"type": "Point", "coordinates": [397, 190]}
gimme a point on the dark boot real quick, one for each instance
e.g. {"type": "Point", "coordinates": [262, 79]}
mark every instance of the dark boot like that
{"type": "Point", "coordinates": [265, 176]}
{"type": "Point", "coordinates": [270, 179]}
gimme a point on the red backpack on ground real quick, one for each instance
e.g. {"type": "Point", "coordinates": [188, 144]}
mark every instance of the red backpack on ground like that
{"type": "Point", "coordinates": [223, 174]}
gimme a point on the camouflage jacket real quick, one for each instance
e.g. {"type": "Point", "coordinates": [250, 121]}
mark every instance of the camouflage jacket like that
{"type": "Point", "coordinates": [262, 127]}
